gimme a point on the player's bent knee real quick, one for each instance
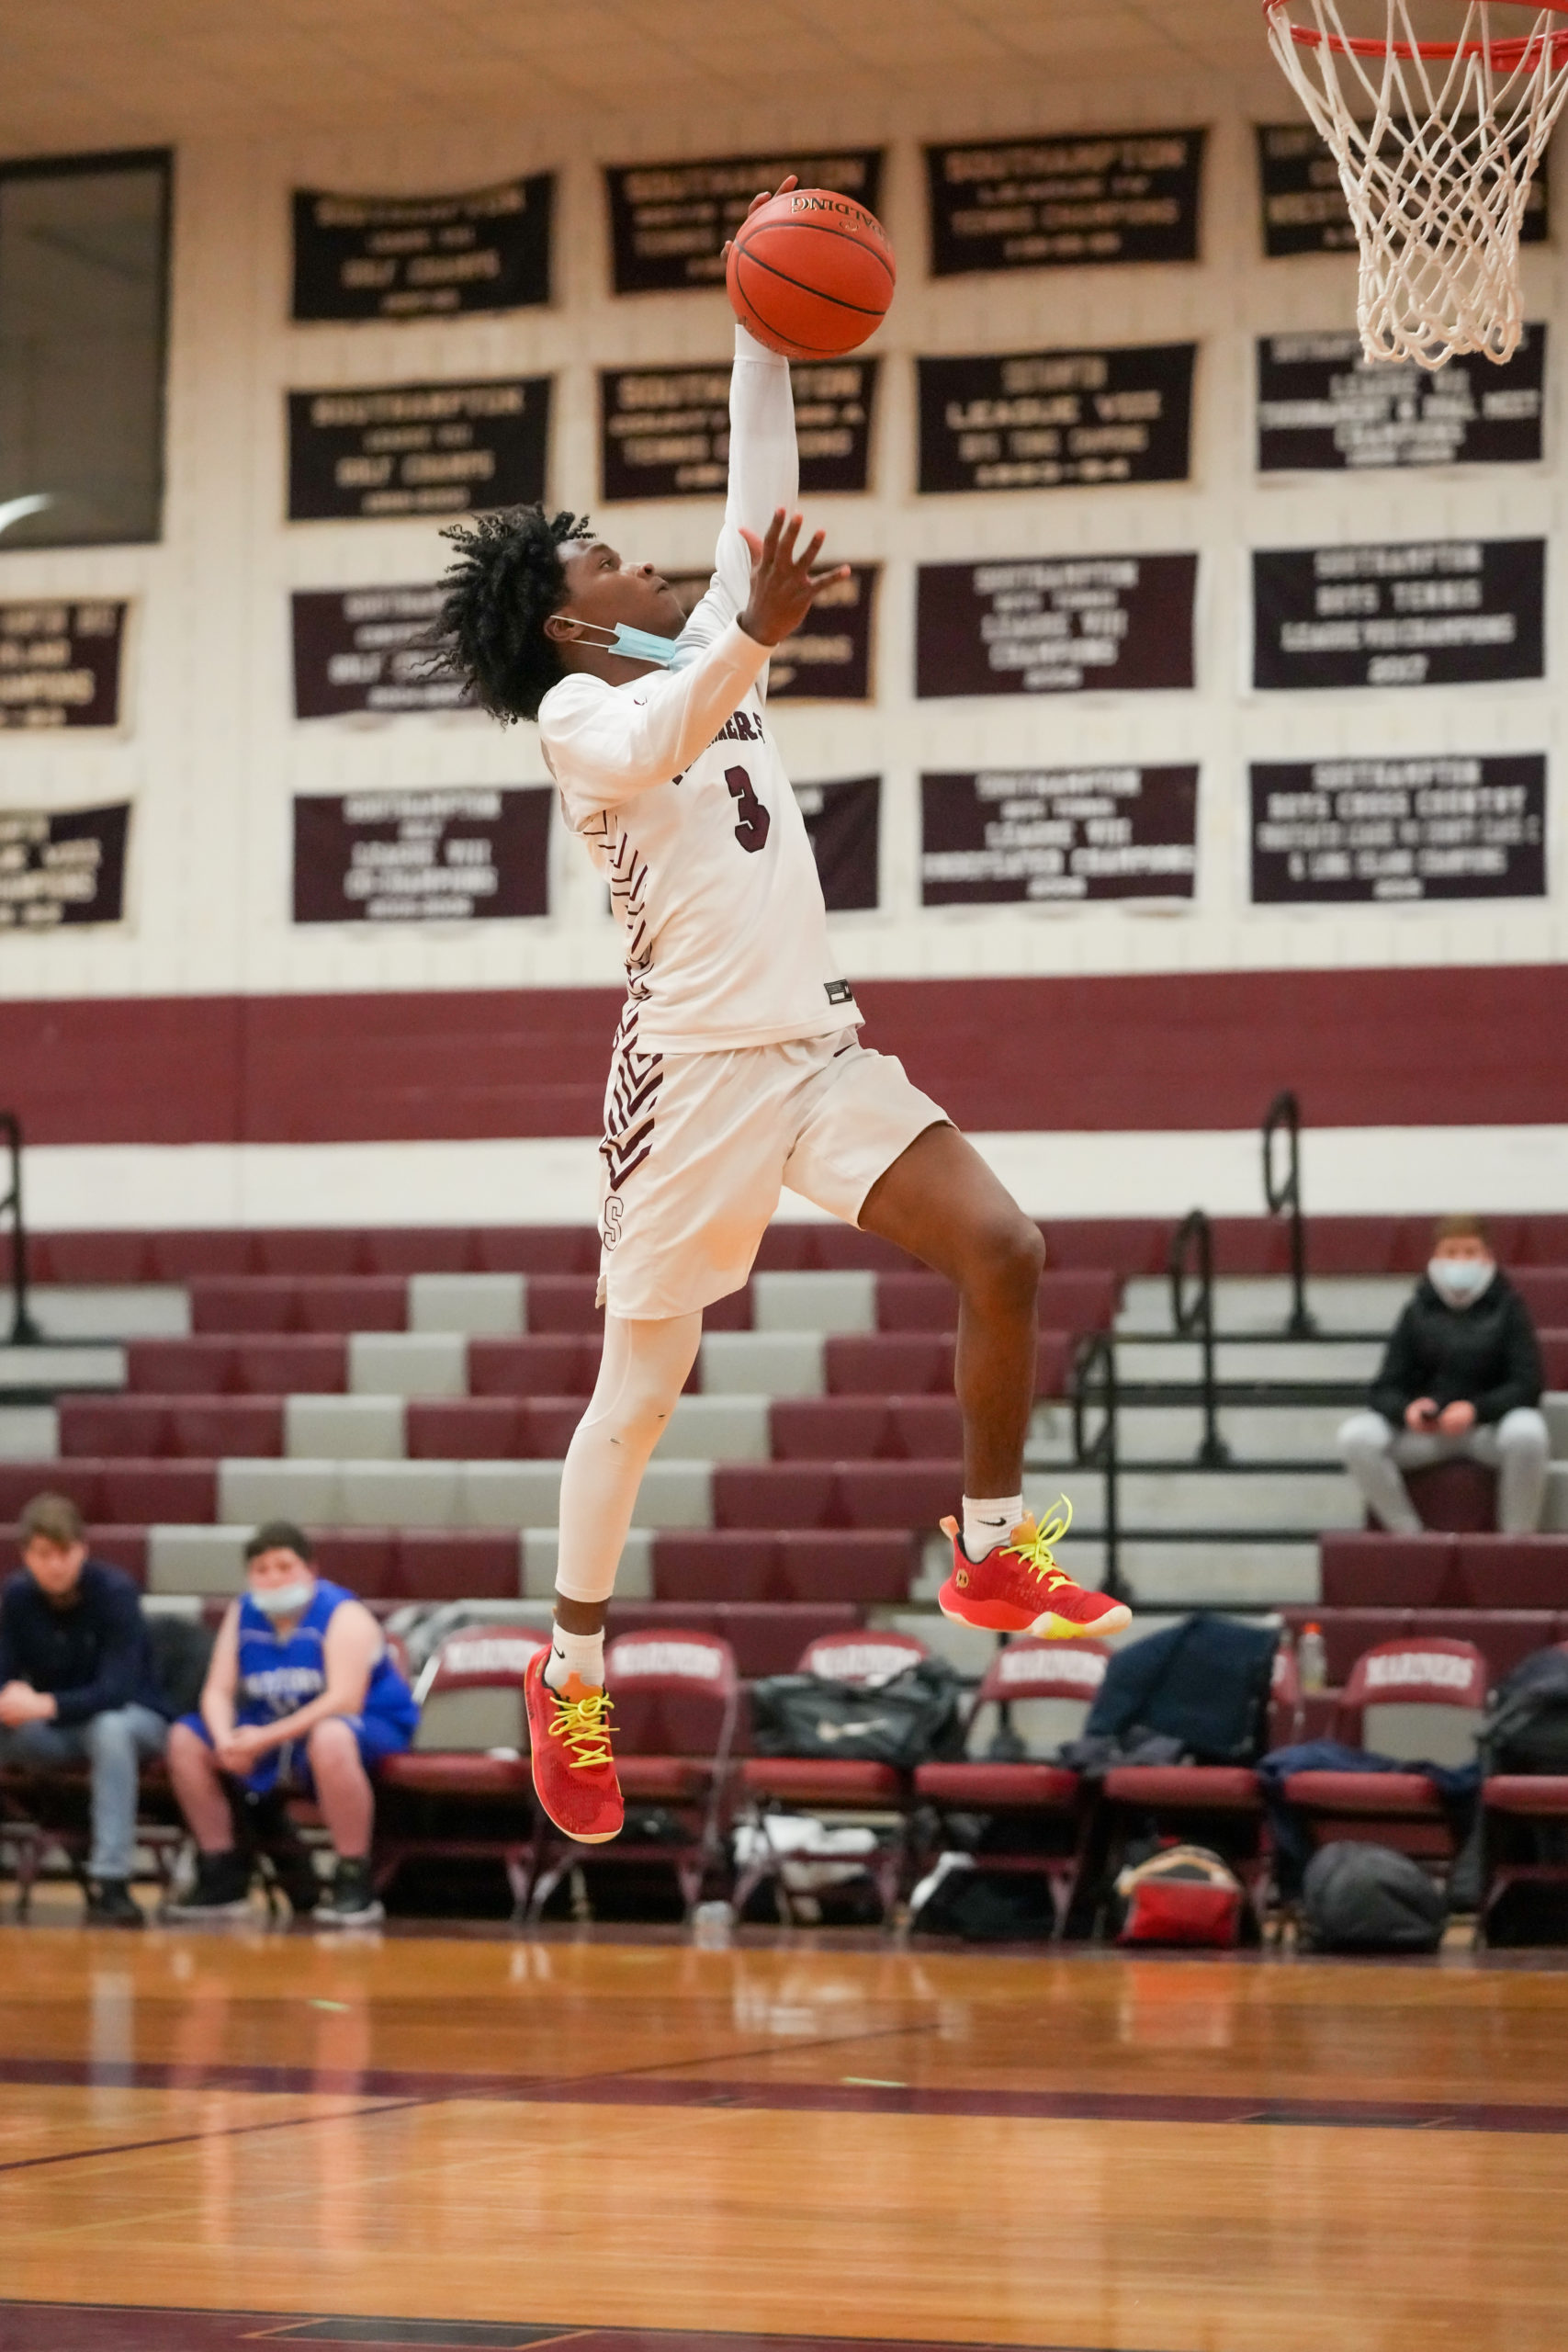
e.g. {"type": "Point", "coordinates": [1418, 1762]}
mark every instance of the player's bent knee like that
{"type": "Point", "coordinates": [1004, 1260]}
{"type": "Point", "coordinates": [332, 1741]}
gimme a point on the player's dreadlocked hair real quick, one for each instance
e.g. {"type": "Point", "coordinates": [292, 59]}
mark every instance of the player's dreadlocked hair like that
{"type": "Point", "coordinates": [507, 580]}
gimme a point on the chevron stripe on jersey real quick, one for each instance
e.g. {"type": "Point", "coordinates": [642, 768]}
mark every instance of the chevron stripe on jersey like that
{"type": "Point", "coordinates": [630, 1101]}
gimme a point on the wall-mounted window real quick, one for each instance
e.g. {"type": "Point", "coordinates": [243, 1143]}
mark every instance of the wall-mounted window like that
{"type": "Point", "coordinates": [84, 307]}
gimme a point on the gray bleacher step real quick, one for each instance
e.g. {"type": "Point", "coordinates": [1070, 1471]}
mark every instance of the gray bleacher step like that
{"type": "Point", "coordinates": [1156, 1356]}
{"type": "Point", "coordinates": [719, 1429]}
{"type": "Point", "coordinates": [491, 1306]}
{"type": "Point", "coordinates": [838, 1302]}
{"type": "Point", "coordinates": [769, 1363]}
{"type": "Point", "coordinates": [42, 1372]}
{"type": "Point", "coordinates": [29, 1432]}
{"type": "Point", "coordinates": [674, 1494]}
{"type": "Point", "coordinates": [1262, 1304]}
{"type": "Point", "coordinates": [110, 1311]}
{"type": "Point", "coordinates": [408, 1363]}
{"type": "Point", "coordinates": [1554, 1405]}
{"type": "Point", "coordinates": [364, 1429]}
{"type": "Point", "coordinates": [1286, 1432]}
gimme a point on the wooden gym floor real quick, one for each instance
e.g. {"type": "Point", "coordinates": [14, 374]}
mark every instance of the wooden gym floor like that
{"type": "Point", "coordinates": [211, 2138]}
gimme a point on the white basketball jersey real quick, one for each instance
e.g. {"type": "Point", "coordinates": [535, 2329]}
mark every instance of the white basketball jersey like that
{"type": "Point", "coordinates": [677, 789]}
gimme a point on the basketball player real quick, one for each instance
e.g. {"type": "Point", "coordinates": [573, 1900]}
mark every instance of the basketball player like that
{"type": "Point", "coordinates": [737, 1067]}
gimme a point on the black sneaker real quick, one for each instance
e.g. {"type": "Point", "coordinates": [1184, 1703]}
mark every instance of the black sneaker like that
{"type": "Point", "coordinates": [221, 1890]}
{"type": "Point", "coordinates": [352, 1903]}
{"type": "Point", "coordinates": [111, 1904]}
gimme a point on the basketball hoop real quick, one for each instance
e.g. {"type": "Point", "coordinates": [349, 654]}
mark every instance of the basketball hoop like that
{"type": "Point", "coordinates": [1437, 143]}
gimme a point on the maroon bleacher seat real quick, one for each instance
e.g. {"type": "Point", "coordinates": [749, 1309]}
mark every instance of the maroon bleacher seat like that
{"type": "Point", "coordinates": [1502, 1635]}
{"type": "Point", "coordinates": [122, 1547]}
{"type": "Point", "coordinates": [836, 1494]}
{"type": "Point", "coordinates": [1402, 1809]}
{"type": "Point", "coordinates": [563, 1365]}
{"type": "Point", "coordinates": [919, 1363]}
{"type": "Point", "coordinates": [1367, 1569]}
{"type": "Point", "coordinates": [1513, 1571]}
{"type": "Point", "coordinates": [208, 1427]}
{"type": "Point", "coordinates": [1070, 1300]}
{"type": "Point", "coordinates": [1544, 1290]}
{"type": "Point", "coordinates": [866, 1429]}
{"type": "Point", "coordinates": [460, 1803]}
{"type": "Point", "coordinates": [279, 1303]}
{"type": "Point", "coordinates": [469, 1428]}
{"type": "Point", "coordinates": [1458, 1498]}
{"type": "Point", "coordinates": [1048, 1798]}
{"type": "Point", "coordinates": [828, 1248]}
{"type": "Point", "coordinates": [674, 1696]}
{"type": "Point", "coordinates": [129, 1493]}
{"type": "Point", "coordinates": [298, 1365]}
{"type": "Point", "coordinates": [793, 1565]}
{"type": "Point", "coordinates": [563, 1303]}
{"type": "Point", "coordinates": [1554, 1358]}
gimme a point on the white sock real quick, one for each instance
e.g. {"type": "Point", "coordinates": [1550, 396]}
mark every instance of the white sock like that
{"type": "Point", "coordinates": [579, 1654]}
{"type": "Point", "coordinates": [989, 1520]}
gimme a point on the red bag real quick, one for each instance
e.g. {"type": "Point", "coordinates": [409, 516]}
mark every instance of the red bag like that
{"type": "Point", "coordinates": [1182, 1895]}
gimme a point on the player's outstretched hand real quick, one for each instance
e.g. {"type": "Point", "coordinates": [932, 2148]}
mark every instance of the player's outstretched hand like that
{"type": "Point", "coordinates": [756, 203]}
{"type": "Point", "coordinates": [784, 585]}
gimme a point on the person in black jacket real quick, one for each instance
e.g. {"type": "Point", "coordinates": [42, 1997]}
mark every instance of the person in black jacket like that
{"type": "Point", "coordinates": [1461, 1375]}
{"type": "Point", "coordinates": [77, 1685]}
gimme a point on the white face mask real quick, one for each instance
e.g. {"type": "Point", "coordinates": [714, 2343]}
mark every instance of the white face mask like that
{"type": "Point", "coordinates": [284, 1599]}
{"type": "Point", "coordinates": [1460, 1281]}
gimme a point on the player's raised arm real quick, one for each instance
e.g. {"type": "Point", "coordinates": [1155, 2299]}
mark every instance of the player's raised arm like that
{"type": "Point", "coordinates": [764, 463]}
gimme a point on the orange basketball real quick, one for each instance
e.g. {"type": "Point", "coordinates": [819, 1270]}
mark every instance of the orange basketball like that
{"type": "Point", "coordinates": [811, 273]}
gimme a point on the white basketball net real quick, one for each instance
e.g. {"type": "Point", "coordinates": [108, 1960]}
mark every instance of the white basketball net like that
{"type": "Point", "coordinates": [1436, 155]}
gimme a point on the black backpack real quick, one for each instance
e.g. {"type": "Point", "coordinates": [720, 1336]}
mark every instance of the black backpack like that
{"type": "Point", "coordinates": [1529, 1729]}
{"type": "Point", "coordinates": [913, 1719]}
{"type": "Point", "coordinates": [1367, 1898]}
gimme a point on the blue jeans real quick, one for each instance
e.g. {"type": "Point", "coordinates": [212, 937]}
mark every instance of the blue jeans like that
{"type": "Point", "coordinates": [113, 1744]}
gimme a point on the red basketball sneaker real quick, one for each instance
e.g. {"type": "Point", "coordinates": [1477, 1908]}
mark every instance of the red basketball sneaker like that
{"type": "Point", "coordinates": [1018, 1589]}
{"type": "Point", "coordinates": [568, 1740]}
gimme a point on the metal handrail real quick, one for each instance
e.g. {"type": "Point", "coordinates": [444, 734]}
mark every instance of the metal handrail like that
{"type": "Point", "coordinates": [1094, 1382]}
{"type": "Point", "coordinates": [1285, 1112]}
{"type": "Point", "coordinates": [1193, 1317]}
{"type": "Point", "coordinates": [25, 1332]}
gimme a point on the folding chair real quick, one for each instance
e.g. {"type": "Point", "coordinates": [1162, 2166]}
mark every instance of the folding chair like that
{"type": "Point", "coordinates": [1508, 1801]}
{"type": "Point", "coordinates": [1215, 1804]}
{"type": "Point", "coordinates": [1027, 1793]}
{"type": "Point", "coordinates": [853, 1788]}
{"type": "Point", "coordinates": [674, 1698]}
{"type": "Point", "coordinates": [465, 1791]}
{"type": "Point", "coordinates": [1420, 1698]}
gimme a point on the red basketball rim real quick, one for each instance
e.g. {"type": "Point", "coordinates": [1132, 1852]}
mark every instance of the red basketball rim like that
{"type": "Point", "coordinates": [1505, 56]}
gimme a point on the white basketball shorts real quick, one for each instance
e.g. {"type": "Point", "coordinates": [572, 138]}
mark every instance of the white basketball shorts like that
{"type": "Point", "coordinates": [697, 1147]}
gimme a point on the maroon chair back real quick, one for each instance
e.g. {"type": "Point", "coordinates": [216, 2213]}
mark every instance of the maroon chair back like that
{"type": "Point", "coordinates": [1032, 1670]}
{"type": "Point", "coordinates": [866, 1658]}
{"type": "Point", "coordinates": [673, 1693]}
{"type": "Point", "coordinates": [1416, 1672]}
{"type": "Point", "coordinates": [480, 1658]}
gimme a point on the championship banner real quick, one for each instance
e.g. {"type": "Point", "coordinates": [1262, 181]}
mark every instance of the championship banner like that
{"type": "Point", "coordinates": [418, 256]}
{"type": "Point", "coordinates": [844, 821]}
{"type": "Point", "coordinates": [1439, 613]}
{"type": "Point", "coordinates": [417, 448]}
{"type": "Point", "coordinates": [1109, 196]}
{"type": "Point", "coordinates": [1305, 209]}
{"type": "Point", "coordinates": [63, 865]}
{"type": "Point", "coordinates": [364, 649]}
{"type": "Point", "coordinates": [476, 853]}
{"type": "Point", "coordinates": [664, 432]}
{"type": "Point", "coordinates": [829, 658]}
{"type": "Point", "coordinates": [669, 222]}
{"type": "Point", "coordinates": [59, 664]}
{"type": "Point", "coordinates": [1323, 408]}
{"type": "Point", "coordinates": [1042, 420]}
{"type": "Point", "coordinates": [1369, 831]}
{"type": "Point", "coordinates": [1009, 834]}
{"type": "Point", "coordinates": [1099, 623]}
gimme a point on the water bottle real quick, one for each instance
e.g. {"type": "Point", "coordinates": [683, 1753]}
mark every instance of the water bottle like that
{"type": "Point", "coordinates": [711, 1924]}
{"type": "Point", "coordinates": [1312, 1660]}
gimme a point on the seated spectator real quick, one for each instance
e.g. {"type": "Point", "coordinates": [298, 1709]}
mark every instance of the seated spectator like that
{"type": "Point", "coordinates": [1461, 1375]}
{"type": "Point", "coordinates": [301, 1697]}
{"type": "Point", "coordinates": [77, 1687]}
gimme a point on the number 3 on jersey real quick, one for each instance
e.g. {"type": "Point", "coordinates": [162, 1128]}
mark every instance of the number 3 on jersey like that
{"type": "Point", "coordinates": [752, 820]}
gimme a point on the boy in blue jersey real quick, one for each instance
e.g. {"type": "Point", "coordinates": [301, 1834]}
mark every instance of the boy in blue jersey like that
{"type": "Point", "coordinates": [301, 1696]}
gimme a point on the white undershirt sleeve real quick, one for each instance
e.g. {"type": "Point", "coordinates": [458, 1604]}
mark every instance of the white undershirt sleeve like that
{"type": "Point", "coordinates": [607, 742]}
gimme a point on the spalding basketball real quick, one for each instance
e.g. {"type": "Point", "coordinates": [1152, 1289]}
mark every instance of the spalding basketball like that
{"type": "Point", "coordinates": [811, 273]}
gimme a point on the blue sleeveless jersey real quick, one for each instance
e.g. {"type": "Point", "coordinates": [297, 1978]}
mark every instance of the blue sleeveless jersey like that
{"type": "Point", "coordinates": [281, 1672]}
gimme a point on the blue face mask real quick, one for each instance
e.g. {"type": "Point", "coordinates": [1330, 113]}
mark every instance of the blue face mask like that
{"type": "Point", "coordinates": [636, 644]}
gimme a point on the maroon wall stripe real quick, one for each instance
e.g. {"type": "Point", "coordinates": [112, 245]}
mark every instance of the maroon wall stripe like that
{"type": "Point", "coordinates": [1455, 1046]}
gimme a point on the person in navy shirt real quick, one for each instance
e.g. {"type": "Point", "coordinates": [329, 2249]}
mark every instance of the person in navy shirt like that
{"type": "Point", "coordinates": [77, 1686]}
{"type": "Point", "coordinates": [301, 1697]}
